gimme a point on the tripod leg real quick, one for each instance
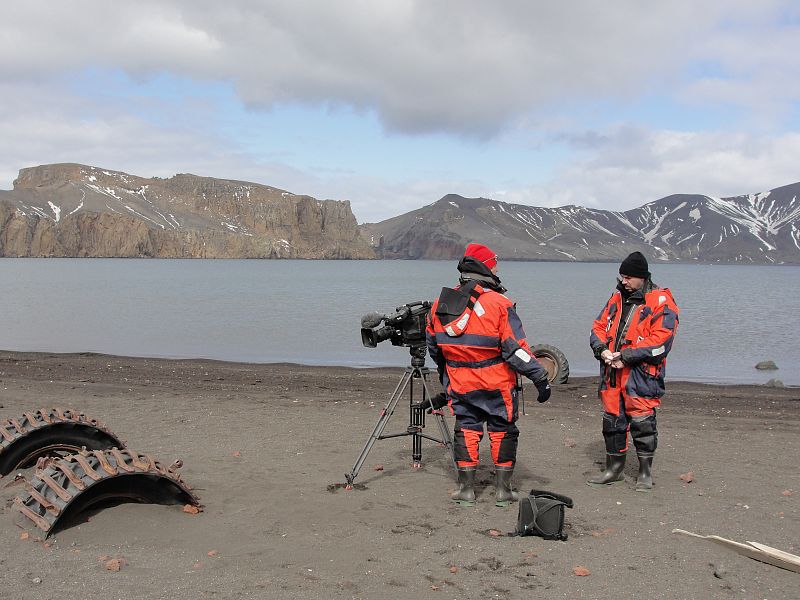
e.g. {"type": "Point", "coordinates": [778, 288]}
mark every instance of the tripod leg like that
{"type": "Point", "coordinates": [416, 424]}
{"type": "Point", "coordinates": [386, 414]}
{"type": "Point", "coordinates": [446, 436]}
{"type": "Point", "coordinates": [447, 439]}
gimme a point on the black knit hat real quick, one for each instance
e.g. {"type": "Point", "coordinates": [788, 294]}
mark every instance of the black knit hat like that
{"type": "Point", "coordinates": [635, 265]}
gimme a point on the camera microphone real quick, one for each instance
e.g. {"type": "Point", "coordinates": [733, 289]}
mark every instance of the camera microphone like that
{"type": "Point", "coordinates": [371, 320]}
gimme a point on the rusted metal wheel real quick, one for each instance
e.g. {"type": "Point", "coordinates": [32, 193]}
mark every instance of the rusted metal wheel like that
{"type": "Point", "coordinates": [65, 487]}
{"type": "Point", "coordinates": [50, 432]}
{"type": "Point", "coordinates": [554, 361]}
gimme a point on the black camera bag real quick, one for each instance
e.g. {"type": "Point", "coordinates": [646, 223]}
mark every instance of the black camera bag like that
{"type": "Point", "coordinates": [542, 513]}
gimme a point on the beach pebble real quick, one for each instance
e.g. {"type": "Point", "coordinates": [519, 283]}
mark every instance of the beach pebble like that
{"type": "Point", "coordinates": [581, 571]}
{"type": "Point", "coordinates": [115, 564]}
{"type": "Point", "coordinates": [36, 580]}
{"type": "Point", "coordinates": [719, 570]}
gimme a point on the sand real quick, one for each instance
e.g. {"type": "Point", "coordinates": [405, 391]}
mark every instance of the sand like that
{"type": "Point", "coordinates": [266, 448]}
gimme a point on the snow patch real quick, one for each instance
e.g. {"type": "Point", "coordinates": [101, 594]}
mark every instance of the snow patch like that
{"type": "Point", "coordinates": [77, 208]}
{"type": "Point", "coordinates": [56, 210]}
{"type": "Point", "coordinates": [695, 214]}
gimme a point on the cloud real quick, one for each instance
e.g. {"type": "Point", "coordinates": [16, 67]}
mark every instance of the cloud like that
{"type": "Point", "coordinates": [464, 67]}
{"type": "Point", "coordinates": [635, 166]}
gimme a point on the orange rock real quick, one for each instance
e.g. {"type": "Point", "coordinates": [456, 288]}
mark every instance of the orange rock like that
{"type": "Point", "coordinates": [237, 453]}
{"type": "Point", "coordinates": [115, 564]}
{"type": "Point", "coordinates": [494, 533]}
{"type": "Point", "coordinates": [787, 493]}
{"type": "Point", "coordinates": [454, 569]}
{"type": "Point", "coordinates": [581, 571]}
{"type": "Point", "coordinates": [603, 532]}
{"type": "Point", "coordinates": [212, 553]}
{"type": "Point", "coordinates": [191, 509]}
{"type": "Point", "coordinates": [378, 468]}
{"type": "Point", "coordinates": [24, 535]}
{"type": "Point", "coordinates": [688, 477]}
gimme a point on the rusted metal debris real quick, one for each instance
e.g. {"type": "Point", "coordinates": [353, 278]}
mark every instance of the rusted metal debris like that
{"type": "Point", "coordinates": [50, 432]}
{"type": "Point", "coordinates": [66, 486]}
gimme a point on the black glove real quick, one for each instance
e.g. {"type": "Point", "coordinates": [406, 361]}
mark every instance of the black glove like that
{"type": "Point", "coordinates": [544, 390]}
{"type": "Point", "coordinates": [435, 403]}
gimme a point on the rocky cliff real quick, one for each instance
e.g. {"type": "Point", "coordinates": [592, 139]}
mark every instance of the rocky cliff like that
{"type": "Point", "coordinates": [83, 211]}
{"type": "Point", "coordinates": [759, 228]}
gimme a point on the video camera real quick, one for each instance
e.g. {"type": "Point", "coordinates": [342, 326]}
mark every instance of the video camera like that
{"type": "Point", "coordinates": [406, 327]}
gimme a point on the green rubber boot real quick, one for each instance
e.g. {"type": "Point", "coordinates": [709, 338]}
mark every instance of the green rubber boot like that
{"type": "Point", "coordinates": [504, 495]}
{"type": "Point", "coordinates": [465, 494]}
{"type": "Point", "coordinates": [644, 482]}
{"type": "Point", "coordinates": [615, 463]}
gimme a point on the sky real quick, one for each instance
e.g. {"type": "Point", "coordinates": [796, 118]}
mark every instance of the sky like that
{"type": "Point", "coordinates": [391, 105]}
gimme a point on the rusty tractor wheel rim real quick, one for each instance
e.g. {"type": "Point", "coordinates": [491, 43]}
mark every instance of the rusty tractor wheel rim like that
{"type": "Point", "coordinates": [51, 451]}
{"type": "Point", "coordinates": [550, 366]}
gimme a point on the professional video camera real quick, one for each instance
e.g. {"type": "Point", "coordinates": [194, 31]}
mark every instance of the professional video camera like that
{"type": "Point", "coordinates": [406, 327]}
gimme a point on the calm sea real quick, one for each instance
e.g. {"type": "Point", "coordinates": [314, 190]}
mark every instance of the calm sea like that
{"type": "Point", "coordinates": [309, 311]}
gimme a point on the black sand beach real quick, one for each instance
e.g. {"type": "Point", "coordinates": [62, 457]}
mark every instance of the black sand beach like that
{"type": "Point", "coordinates": [264, 447]}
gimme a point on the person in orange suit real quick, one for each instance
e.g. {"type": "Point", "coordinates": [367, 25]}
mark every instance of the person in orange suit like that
{"type": "Point", "coordinates": [478, 343]}
{"type": "Point", "coordinates": [631, 337]}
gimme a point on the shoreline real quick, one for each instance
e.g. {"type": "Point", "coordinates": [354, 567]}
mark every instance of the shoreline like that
{"type": "Point", "coordinates": [577, 378]}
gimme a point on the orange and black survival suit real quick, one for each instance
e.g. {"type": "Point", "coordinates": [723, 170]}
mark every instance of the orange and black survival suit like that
{"type": "Point", "coordinates": [641, 326]}
{"type": "Point", "coordinates": [477, 341]}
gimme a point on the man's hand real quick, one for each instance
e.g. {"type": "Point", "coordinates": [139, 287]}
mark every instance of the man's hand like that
{"type": "Point", "coordinates": [544, 390]}
{"type": "Point", "coordinates": [434, 403]}
{"type": "Point", "coordinates": [612, 359]}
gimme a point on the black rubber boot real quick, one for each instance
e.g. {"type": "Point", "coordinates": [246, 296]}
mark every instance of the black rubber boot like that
{"type": "Point", "coordinates": [615, 463]}
{"type": "Point", "coordinates": [465, 494]}
{"type": "Point", "coordinates": [503, 494]}
{"type": "Point", "coordinates": [644, 482]}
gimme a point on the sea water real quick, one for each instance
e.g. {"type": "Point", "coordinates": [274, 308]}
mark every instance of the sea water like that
{"type": "Point", "coordinates": [309, 312]}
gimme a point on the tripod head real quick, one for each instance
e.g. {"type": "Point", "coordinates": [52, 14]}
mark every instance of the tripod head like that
{"type": "Point", "coordinates": [417, 356]}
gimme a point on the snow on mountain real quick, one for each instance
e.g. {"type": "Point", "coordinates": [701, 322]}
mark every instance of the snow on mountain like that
{"type": "Point", "coordinates": [753, 228]}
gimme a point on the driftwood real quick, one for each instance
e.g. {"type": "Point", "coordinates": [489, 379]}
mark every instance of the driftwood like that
{"type": "Point", "coordinates": [754, 550]}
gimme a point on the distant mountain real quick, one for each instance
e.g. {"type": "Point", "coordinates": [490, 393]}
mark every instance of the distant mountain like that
{"type": "Point", "coordinates": [79, 210]}
{"type": "Point", "coordinates": [756, 228]}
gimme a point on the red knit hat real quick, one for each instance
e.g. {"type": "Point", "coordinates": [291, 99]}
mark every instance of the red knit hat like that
{"type": "Point", "coordinates": [483, 254]}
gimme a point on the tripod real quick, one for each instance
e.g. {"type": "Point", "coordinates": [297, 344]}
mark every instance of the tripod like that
{"type": "Point", "coordinates": [416, 424]}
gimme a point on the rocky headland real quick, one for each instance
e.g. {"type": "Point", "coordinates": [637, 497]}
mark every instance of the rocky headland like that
{"type": "Point", "coordinates": [72, 210]}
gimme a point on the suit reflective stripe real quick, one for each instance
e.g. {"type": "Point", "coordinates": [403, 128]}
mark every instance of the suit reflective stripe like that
{"type": "Point", "coordinates": [468, 339]}
{"type": "Point", "coordinates": [479, 364]}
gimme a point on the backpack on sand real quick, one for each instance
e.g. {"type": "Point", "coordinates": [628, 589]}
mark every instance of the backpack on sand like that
{"type": "Point", "coordinates": [541, 513]}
